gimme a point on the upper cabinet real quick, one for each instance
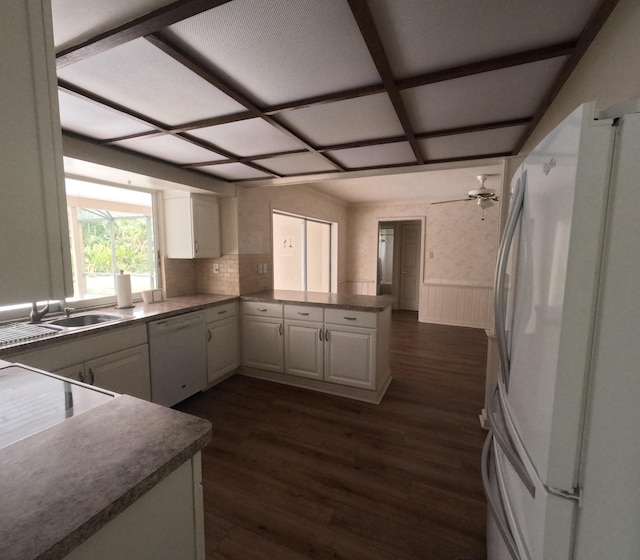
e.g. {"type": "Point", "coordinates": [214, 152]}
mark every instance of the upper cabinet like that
{"type": "Point", "coordinates": [36, 262]}
{"type": "Point", "coordinates": [192, 225]}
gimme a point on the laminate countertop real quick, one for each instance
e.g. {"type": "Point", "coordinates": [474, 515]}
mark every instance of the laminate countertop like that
{"type": "Point", "coordinates": [62, 484]}
{"type": "Point", "coordinates": [345, 301]}
{"type": "Point", "coordinates": [140, 313]}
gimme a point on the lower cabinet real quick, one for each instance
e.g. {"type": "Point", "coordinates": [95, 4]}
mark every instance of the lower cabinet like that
{"type": "Point", "coordinates": [117, 361]}
{"type": "Point", "coordinates": [330, 352]}
{"type": "Point", "coordinates": [223, 356]}
{"type": "Point", "coordinates": [322, 347]}
{"type": "Point", "coordinates": [350, 356]}
{"type": "Point", "coordinates": [166, 523]}
{"type": "Point", "coordinates": [123, 372]}
{"type": "Point", "coordinates": [263, 336]}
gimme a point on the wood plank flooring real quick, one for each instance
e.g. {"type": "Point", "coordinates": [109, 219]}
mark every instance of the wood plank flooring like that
{"type": "Point", "coordinates": [293, 475]}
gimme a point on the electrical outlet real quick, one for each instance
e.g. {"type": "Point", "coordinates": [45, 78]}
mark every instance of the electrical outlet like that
{"type": "Point", "coordinates": [216, 268]}
{"type": "Point", "coordinates": [430, 254]}
{"type": "Point", "coordinates": [259, 269]}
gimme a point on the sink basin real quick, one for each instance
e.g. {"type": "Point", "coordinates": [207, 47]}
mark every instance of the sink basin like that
{"type": "Point", "coordinates": [85, 320]}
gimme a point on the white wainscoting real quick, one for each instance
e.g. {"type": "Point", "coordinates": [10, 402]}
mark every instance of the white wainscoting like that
{"type": "Point", "coordinates": [450, 304]}
{"type": "Point", "coordinates": [359, 288]}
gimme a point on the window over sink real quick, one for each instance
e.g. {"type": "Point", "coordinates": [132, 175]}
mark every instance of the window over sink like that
{"type": "Point", "coordinates": [111, 229]}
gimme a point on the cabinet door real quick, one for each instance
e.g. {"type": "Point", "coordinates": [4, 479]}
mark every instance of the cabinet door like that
{"type": "Point", "coordinates": [222, 348]}
{"type": "Point", "coordinates": [304, 350]}
{"type": "Point", "coordinates": [36, 262]}
{"type": "Point", "coordinates": [163, 524]}
{"type": "Point", "coordinates": [123, 372]}
{"type": "Point", "coordinates": [206, 227]}
{"type": "Point", "coordinates": [262, 343]}
{"type": "Point", "coordinates": [350, 356]}
{"type": "Point", "coordinates": [75, 372]}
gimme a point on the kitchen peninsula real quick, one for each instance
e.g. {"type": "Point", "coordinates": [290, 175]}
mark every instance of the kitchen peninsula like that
{"type": "Point", "coordinates": [333, 343]}
{"type": "Point", "coordinates": [121, 480]}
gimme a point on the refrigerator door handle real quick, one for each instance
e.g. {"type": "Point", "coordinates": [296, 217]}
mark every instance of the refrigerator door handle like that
{"type": "Point", "coordinates": [502, 439]}
{"type": "Point", "coordinates": [500, 277]}
{"type": "Point", "coordinates": [494, 505]}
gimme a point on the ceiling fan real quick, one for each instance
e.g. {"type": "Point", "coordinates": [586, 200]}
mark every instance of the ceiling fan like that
{"type": "Point", "coordinates": [485, 197]}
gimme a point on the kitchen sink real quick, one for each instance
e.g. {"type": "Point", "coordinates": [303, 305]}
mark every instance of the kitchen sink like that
{"type": "Point", "coordinates": [85, 320]}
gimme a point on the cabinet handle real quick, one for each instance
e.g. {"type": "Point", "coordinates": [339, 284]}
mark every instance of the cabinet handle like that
{"type": "Point", "coordinates": [326, 335]}
{"type": "Point", "coordinates": [261, 309]}
{"type": "Point", "coordinates": [351, 318]}
{"type": "Point", "coordinates": [303, 314]}
{"type": "Point", "coordinates": [208, 335]}
{"type": "Point", "coordinates": [320, 333]}
{"type": "Point", "coordinates": [197, 246]}
{"type": "Point", "coordinates": [280, 329]}
{"type": "Point", "coordinates": [91, 377]}
{"type": "Point", "coordinates": [222, 312]}
{"type": "Point", "coordinates": [81, 376]}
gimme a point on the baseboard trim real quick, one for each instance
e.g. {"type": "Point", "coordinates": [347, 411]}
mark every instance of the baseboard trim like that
{"type": "Point", "coordinates": [365, 395]}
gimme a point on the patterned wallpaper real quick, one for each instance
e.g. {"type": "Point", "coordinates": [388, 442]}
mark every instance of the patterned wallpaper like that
{"type": "Point", "coordinates": [461, 246]}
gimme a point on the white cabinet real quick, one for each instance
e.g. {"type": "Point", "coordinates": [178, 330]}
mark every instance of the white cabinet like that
{"type": "Point", "coordinates": [117, 361]}
{"type": "Point", "coordinates": [326, 348]}
{"type": "Point", "coordinates": [122, 372]}
{"type": "Point", "coordinates": [192, 225]}
{"type": "Point", "coordinates": [35, 257]}
{"type": "Point", "coordinates": [304, 341]}
{"type": "Point", "coordinates": [338, 353]}
{"type": "Point", "coordinates": [350, 356]}
{"type": "Point", "coordinates": [222, 341]}
{"type": "Point", "coordinates": [164, 524]}
{"type": "Point", "coordinates": [262, 336]}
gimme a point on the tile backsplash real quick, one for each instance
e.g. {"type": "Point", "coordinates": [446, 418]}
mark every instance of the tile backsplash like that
{"type": "Point", "coordinates": [236, 275]}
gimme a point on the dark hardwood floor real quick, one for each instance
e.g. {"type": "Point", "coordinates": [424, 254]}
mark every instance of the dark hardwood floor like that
{"type": "Point", "coordinates": [292, 474]}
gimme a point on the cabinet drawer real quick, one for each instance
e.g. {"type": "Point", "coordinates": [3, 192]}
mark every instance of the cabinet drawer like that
{"type": "Point", "coordinates": [262, 309]}
{"type": "Point", "coordinates": [366, 319]}
{"type": "Point", "coordinates": [303, 313]}
{"type": "Point", "coordinates": [223, 311]}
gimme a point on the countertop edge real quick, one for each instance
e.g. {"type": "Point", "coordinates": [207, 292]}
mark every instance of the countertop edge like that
{"type": "Point", "coordinates": [88, 480]}
{"type": "Point", "coordinates": [140, 314]}
{"type": "Point", "coordinates": [321, 299]}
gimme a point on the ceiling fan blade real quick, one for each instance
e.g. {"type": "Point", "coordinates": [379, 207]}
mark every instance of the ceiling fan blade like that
{"type": "Point", "coordinates": [456, 200]}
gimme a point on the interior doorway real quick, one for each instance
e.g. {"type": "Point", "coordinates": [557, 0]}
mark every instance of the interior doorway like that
{"type": "Point", "coordinates": [399, 262]}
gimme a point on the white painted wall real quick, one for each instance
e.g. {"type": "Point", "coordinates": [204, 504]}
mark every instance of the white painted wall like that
{"type": "Point", "coordinates": [608, 73]}
{"type": "Point", "coordinates": [255, 207]}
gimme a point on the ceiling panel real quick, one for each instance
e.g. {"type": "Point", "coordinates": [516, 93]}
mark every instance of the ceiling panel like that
{"type": "Point", "coordinates": [303, 72]}
{"type": "Point", "coordinates": [96, 121]}
{"type": "Point", "coordinates": [248, 137]}
{"type": "Point", "coordinates": [484, 143]}
{"type": "Point", "coordinates": [77, 20]}
{"type": "Point", "coordinates": [140, 77]}
{"type": "Point", "coordinates": [296, 164]}
{"type": "Point", "coordinates": [234, 171]}
{"type": "Point", "coordinates": [280, 50]}
{"type": "Point", "coordinates": [500, 95]}
{"type": "Point", "coordinates": [421, 37]}
{"type": "Point", "coordinates": [373, 156]}
{"type": "Point", "coordinates": [370, 116]}
{"type": "Point", "coordinates": [170, 148]}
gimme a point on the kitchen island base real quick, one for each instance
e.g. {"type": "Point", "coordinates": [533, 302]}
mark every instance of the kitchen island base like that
{"type": "Point", "coordinates": [365, 395]}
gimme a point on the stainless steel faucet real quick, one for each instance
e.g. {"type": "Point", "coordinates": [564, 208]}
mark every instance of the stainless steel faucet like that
{"type": "Point", "coordinates": [36, 314]}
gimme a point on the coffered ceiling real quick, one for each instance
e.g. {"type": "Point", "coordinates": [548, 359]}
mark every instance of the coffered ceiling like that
{"type": "Point", "coordinates": [247, 90]}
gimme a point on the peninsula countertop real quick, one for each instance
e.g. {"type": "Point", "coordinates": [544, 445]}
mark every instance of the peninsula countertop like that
{"type": "Point", "coordinates": [345, 301]}
{"type": "Point", "coordinates": [61, 485]}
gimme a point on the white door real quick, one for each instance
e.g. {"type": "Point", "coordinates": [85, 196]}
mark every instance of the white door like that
{"type": "Point", "coordinates": [222, 348]}
{"type": "Point", "coordinates": [304, 349]}
{"type": "Point", "coordinates": [262, 343]}
{"type": "Point", "coordinates": [350, 356]}
{"type": "Point", "coordinates": [410, 266]}
{"type": "Point", "coordinates": [556, 285]}
{"type": "Point", "coordinates": [123, 372]}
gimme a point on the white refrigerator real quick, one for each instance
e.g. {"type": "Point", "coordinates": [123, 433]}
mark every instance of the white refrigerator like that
{"type": "Point", "coordinates": [561, 464]}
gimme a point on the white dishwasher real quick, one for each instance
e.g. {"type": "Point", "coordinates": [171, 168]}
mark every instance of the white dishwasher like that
{"type": "Point", "coordinates": [178, 357]}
